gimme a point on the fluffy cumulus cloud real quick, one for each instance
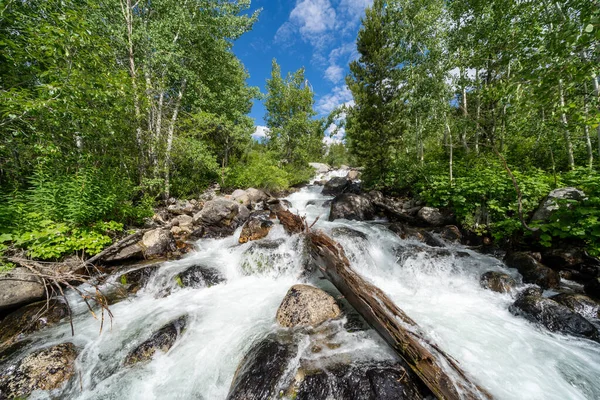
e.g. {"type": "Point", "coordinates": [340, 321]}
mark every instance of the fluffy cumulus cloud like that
{"type": "Point", "coordinates": [260, 133]}
{"type": "Point", "coordinates": [334, 73]}
{"type": "Point", "coordinates": [340, 95]}
{"type": "Point", "coordinates": [313, 19]}
{"type": "Point", "coordinates": [334, 134]}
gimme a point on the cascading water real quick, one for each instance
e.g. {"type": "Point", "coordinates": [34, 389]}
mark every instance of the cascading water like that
{"type": "Point", "coordinates": [510, 357]}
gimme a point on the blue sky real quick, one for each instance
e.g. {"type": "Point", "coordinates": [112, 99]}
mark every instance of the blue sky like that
{"type": "Point", "coordinates": [319, 35]}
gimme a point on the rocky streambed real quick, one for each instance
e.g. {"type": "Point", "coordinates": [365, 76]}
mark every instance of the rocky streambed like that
{"type": "Point", "coordinates": [243, 316]}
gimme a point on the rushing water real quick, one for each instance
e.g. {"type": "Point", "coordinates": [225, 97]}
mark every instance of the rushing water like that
{"type": "Point", "coordinates": [510, 357]}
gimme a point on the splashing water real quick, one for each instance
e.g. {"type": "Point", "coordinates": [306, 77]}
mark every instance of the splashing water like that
{"type": "Point", "coordinates": [510, 357]}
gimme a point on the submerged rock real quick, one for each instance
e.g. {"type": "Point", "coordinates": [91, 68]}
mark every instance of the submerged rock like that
{"type": "Point", "coordinates": [138, 278]}
{"type": "Point", "coordinates": [343, 231]}
{"type": "Point", "coordinates": [19, 287]}
{"type": "Point", "coordinates": [554, 316]}
{"type": "Point", "coordinates": [45, 369]}
{"type": "Point", "coordinates": [257, 227]}
{"type": "Point", "coordinates": [162, 340]}
{"type": "Point", "coordinates": [497, 281]}
{"type": "Point", "coordinates": [305, 305]}
{"type": "Point", "coordinates": [262, 368]}
{"type": "Point", "coordinates": [532, 270]}
{"type": "Point", "coordinates": [200, 276]}
{"type": "Point", "coordinates": [592, 288]}
{"type": "Point", "coordinates": [351, 206]}
{"type": "Point", "coordinates": [335, 186]}
{"type": "Point", "coordinates": [31, 318]}
{"type": "Point", "coordinates": [582, 305]}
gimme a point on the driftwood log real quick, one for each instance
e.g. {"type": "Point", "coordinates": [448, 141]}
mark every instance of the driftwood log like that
{"type": "Point", "coordinates": [291, 222]}
{"type": "Point", "coordinates": [438, 371]}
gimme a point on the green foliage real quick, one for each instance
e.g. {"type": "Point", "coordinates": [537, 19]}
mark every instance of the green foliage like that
{"type": "Point", "coordinates": [337, 155]}
{"type": "Point", "coordinates": [260, 169]}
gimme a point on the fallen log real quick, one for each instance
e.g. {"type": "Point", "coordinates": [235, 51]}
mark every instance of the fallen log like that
{"type": "Point", "coordinates": [291, 222]}
{"type": "Point", "coordinates": [438, 371]}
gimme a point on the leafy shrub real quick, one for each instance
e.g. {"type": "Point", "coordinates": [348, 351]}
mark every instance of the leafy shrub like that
{"type": "Point", "coordinates": [260, 170]}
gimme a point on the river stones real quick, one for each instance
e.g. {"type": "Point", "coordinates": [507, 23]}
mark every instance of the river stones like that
{"type": "Point", "coordinates": [31, 318]}
{"type": "Point", "coordinates": [138, 278]}
{"type": "Point", "coordinates": [45, 369]}
{"type": "Point", "coordinates": [351, 206]}
{"type": "Point", "coordinates": [582, 305]}
{"type": "Point", "coordinates": [344, 231]}
{"type": "Point", "coordinates": [431, 216]}
{"type": "Point", "coordinates": [305, 305]}
{"type": "Point", "coordinates": [532, 270]}
{"type": "Point", "coordinates": [259, 374]}
{"type": "Point", "coordinates": [257, 227]}
{"type": "Point", "coordinates": [554, 316]}
{"type": "Point", "coordinates": [19, 287]}
{"type": "Point", "coordinates": [162, 340]}
{"type": "Point", "coordinates": [592, 288]}
{"type": "Point", "coordinates": [497, 281]}
{"type": "Point", "coordinates": [199, 276]}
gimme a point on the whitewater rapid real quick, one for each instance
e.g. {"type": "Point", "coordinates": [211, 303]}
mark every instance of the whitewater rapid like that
{"type": "Point", "coordinates": [505, 354]}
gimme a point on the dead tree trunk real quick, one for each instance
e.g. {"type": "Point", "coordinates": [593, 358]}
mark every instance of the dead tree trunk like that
{"type": "Point", "coordinates": [442, 375]}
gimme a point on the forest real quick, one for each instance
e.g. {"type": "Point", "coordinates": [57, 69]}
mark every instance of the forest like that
{"type": "Point", "coordinates": [111, 107]}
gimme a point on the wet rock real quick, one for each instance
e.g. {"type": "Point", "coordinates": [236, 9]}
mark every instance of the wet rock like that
{"type": "Point", "coordinates": [554, 316]}
{"type": "Point", "coordinates": [351, 206]}
{"type": "Point", "coordinates": [210, 193]}
{"type": "Point", "coordinates": [344, 231]}
{"type": "Point", "coordinates": [31, 318]}
{"type": "Point", "coordinates": [592, 288]}
{"type": "Point", "coordinates": [497, 281]}
{"type": "Point", "coordinates": [407, 232]}
{"type": "Point", "coordinates": [335, 186]}
{"type": "Point", "coordinates": [582, 305]}
{"type": "Point", "coordinates": [353, 175]}
{"type": "Point", "coordinates": [551, 203]}
{"type": "Point", "coordinates": [259, 373]}
{"type": "Point", "coordinates": [256, 227]}
{"type": "Point", "coordinates": [200, 276]}
{"type": "Point", "coordinates": [137, 278]}
{"type": "Point", "coordinates": [263, 255]}
{"type": "Point", "coordinates": [431, 216]}
{"type": "Point", "coordinates": [220, 217]}
{"type": "Point", "coordinates": [19, 287]}
{"type": "Point", "coordinates": [532, 270]}
{"type": "Point", "coordinates": [256, 196]}
{"type": "Point", "coordinates": [320, 167]}
{"type": "Point", "coordinates": [162, 340]}
{"type": "Point", "coordinates": [451, 234]}
{"type": "Point", "coordinates": [305, 305]}
{"type": "Point", "coordinates": [275, 206]}
{"type": "Point", "coordinates": [365, 381]}
{"type": "Point", "coordinates": [45, 369]}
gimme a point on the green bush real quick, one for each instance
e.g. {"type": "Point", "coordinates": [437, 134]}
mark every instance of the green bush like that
{"type": "Point", "coordinates": [260, 170]}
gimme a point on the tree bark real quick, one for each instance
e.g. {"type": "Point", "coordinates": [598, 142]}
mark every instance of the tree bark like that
{"type": "Point", "coordinates": [566, 133]}
{"type": "Point", "coordinates": [450, 152]}
{"type": "Point", "coordinates": [170, 134]}
{"type": "Point", "coordinates": [463, 138]}
{"type": "Point", "coordinates": [597, 89]}
{"type": "Point", "coordinates": [478, 112]}
{"type": "Point", "coordinates": [438, 371]}
{"type": "Point", "coordinates": [586, 128]}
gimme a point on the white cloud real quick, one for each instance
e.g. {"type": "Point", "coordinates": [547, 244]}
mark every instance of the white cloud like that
{"type": "Point", "coordinates": [339, 133]}
{"type": "Point", "coordinates": [260, 132]}
{"type": "Point", "coordinates": [352, 10]}
{"type": "Point", "coordinates": [340, 95]}
{"type": "Point", "coordinates": [313, 16]}
{"type": "Point", "coordinates": [334, 73]}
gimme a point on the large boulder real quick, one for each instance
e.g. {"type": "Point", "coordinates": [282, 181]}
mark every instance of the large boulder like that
{"type": "Point", "coordinates": [46, 369]}
{"type": "Point", "coordinates": [582, 305]}
{"type": "Point", "coordinates": [353, 174]}
{"type": "Point", "coordinates": [256, 227]}
{"type": "Point", "coordinates": [351, 206]}
{"type": "Point", "coordinates": [259, 373]}
{"type": "Point", "coordinates": [305, 305]}
{"type": "Point", "coordinates": [554, 316]}
{"type": "Point", "coordinates": [361, 381]}
{"type": "Point", "coordinates": [431, 216]}
{"type": "Point", "coordinates": [497, 281]}
{"type": "Point", "coordinates": [220, 217]}
{"type": "Point", "coordinates": [158, 243]}
{"type": "Point", "coordinates": [162, 340]}
{"type": "Point", "coordinates": [256, 196]}
{"type": "Point", "coordinates": [183, 207]}
{"type": "Point", "coordinates": [532, 270]}
{"type": "Point", "coordinates": [240, 196]}
{"type": "Point", "coordinates": [320, 167]}
{"type": "Point", "coordinates": [335, 186]}
{"type": "Point", "coordinates": [19, 287]}
{"type": "Point", "coordinates": [137, 278]}
{"type": "Point", "coordinates": [551, 203]}
{"type": "Point", "coordinates": [31, 318]}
